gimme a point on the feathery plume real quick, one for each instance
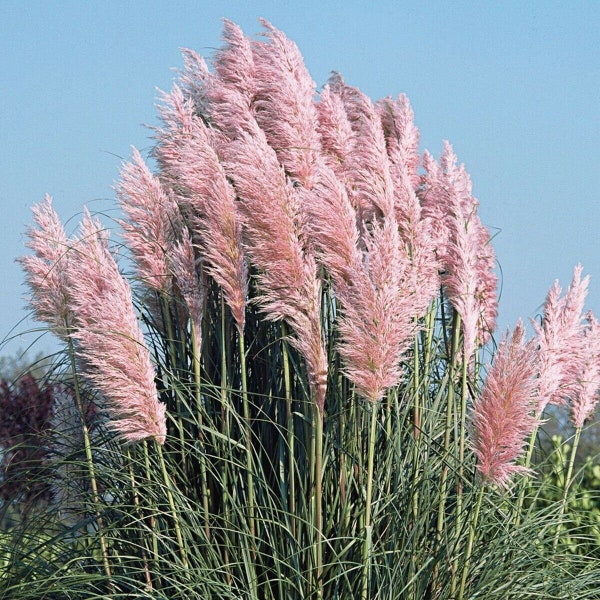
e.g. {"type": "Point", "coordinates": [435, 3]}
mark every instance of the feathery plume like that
{"type": "Point", "coordinates": [584, 397]}
{"type": "Point", "coordinates": [189, 285]}
{"type": "Point", "coordinates": [209, 200]}
{"type": "Point", "coordinates": [369, 182]}
{"type": "Point", "coordinates": [377, 308]}
{"type": "Point", "coordinates": [232, 88]}
{"type": "Point", "coordinates": [402, 140]}
{"type": "Point", "coordinates": [503, 416]}
{"type": "Point", "coordinates": [289, 287]}
{"type": "Point", "coordinates": [109, 340]}
{"type": "Point", "coordinates": [558, 339]}
{"type": "Point", "coordinates": [401, 134]}
{"type": "Point", "coordinates": [377, 327]}
{"type": "Point", "coordinates": [463, 247]}
{"type": "Point", "coordinates": [194, 79]}
{"type": "Point", "coordinates": [284, 104]}
{"type": "Point", "coordinates": [45, 270]}
{"type": "Point", "coordinates": [151, 225]}
{"type": "Point", "coordinates": [337, 137]}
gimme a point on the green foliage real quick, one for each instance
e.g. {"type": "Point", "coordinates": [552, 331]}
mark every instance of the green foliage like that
{"type": "Point", "coordinates": [227, 509]}
{"type": "Point", "coordinates": [580, 528]}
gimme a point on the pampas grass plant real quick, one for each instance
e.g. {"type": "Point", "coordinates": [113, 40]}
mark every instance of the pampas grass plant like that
{"type": "Point", "coordinates": [295, 389]}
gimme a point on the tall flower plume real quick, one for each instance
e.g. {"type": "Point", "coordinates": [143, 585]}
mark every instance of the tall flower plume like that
{"type": "Point", "coordinates": [284, 105]}
{"type": "Point", "coordinates": [558, 339]}
{"type": "Point", "coordinates": [463, 247]}
{"type": "Point", "coordinates": [401, 134]}
{"type": "Point", "coordinates": [402, 140]}
{"type": "Point", "coordinates": [109, 340]}
{"type": "Point", "coordinates": [584, 396]}
{"type": "Point", "coordinates": [503, 417]}
{"type": "Point", "coordinates": [370, 186]}
{"type": "Point", "coordinates": [289, 286]}
{"type": "Point", "coordinates": [45, 270]}
{"type": "Point", "coordinates": [152, 222]}
{"type": "Point", "coordinates": [209, 200]}
{"type": "Point", "coordinates": [230, 91]}
{"type": "Point", "coordinates": [273, 221]}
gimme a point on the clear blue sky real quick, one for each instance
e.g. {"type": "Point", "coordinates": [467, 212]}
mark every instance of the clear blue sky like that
{"type": "Point", "coordinates": [513, 85]}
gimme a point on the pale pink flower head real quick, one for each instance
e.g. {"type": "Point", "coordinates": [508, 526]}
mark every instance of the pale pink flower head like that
{"type": "Point", "coordinates": [368, 178]}
{"type": "Point", "coordinates": [109, 340]}
{"type": "Point", "coordinates": [275, 242]}
{"type": "Point", "coordinates": [231, 90]}
{"type": "Point", "coordinates": [464, 250]}
{"type": "Point", "coordinates": [152, 222]}
{"type": "Point", "coordinates": [234, 62]}
{"type": "Point", "coordinates": [402, 139]}
{"type": "Point", "coordinates": [503, 416]}
{"type": "Point", "coordinates": [45, 270]}
{"type": "Point", "coordinates": [378, 324]}
{"type": "Point", "coordinates": [284, 104]}
{"type": "Point", "coordinates": [377, 306]}
{"type": "Point", "coordinates": [401, 134]}
{"type": "Point", "coordinates": [559, 337]}
{"type": "Point", "coordinates": [337, 137]}
{"type": "Point", "coordinates": [584, 395]}
{"type": "Point", "coordinates": [195, 79]}
{"type": "Point", "coordinates": [184, 266]}
{"type": "Point", "coordinates": [210, 202]}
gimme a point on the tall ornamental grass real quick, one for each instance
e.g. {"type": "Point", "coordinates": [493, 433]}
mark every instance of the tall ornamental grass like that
{"type": "Point", "coordinates": [293, 391]}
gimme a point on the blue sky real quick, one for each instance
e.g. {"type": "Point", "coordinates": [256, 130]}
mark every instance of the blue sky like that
{"type": "Point", "coordinates": [514, 86]}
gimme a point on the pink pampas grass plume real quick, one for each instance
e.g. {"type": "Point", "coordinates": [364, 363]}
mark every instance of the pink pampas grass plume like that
{"type": "Point", "coordinates": [503, 417]}
{"type": "Point", "coordinates": [402, 140]}
{"type": "Point", "coordinates": [463, 246]}
{"type": "Point", "coordinates": [152, 223]}
{"type": "Point", "coordinates": [369, 182]}
{"type": "Point", "coordinates": [109, 340]}
{"type": "Point", "coordinates": [210, 203]}
{"type": "Point", "coordinates": [287, 271]}
{"type": "Point", "coordinates": [377, 325]}
{"type": "Point", "coordinates": [232, 88]}
{"type": "Point", "coordinates": [337, 137]}
{"type": "Point", "coordinates": [558, 338]}
{"type": "Point", "coordinates": [377, 313]}
{"type": "Point", "coordinates": [284, 104]}
{"type": "Point", "coordinates": [185, 271]}
{"type": "Point", "coordinates": [584, 396]}
{"type": "Point", "coordinates": [194, 78]}
{"type": "Point", "coordinates": [45, 270]}
{"type": "Point", "coordinates": [401, 134]}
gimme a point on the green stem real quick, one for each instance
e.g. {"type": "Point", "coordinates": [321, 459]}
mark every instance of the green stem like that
{"type": "Point", "coordinates": [318, 429]}
{"type": "Point", "coordinates": [166, 309]}
{"type": "Point", "coordinates": [90, 462]}
{"type": "Point", "coordinates": [169, 488]}
{"type": "Point", "coordinates": [226, 431]}
{"type": "Point", "coordinates": [448, 429]}
{"type": "Point", "coordinates": [470, 543]}
{"type": "Point", "coordinates": [461, 458]}
{"type": "Point", "coordinates": [249, 459]}
{"type": "Point", "coordinates": [417, 418]}
{"type": "Point", "coordinates": [152, 517]}
{"type": "Point", "coordinates": [524, 484]}
{"type": "Point", "coordinates": [138, 510]}
{"type": "Point", "coordinates": [199, 408]}
{"type": "Point", "coordinates": [567, 487]}
{"type": "Point", "coordinates": [368, 504]}
{"type": "Point", "coordinates": [290, 433]}
{"type": "Point", "coordinates": [248, 424]}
